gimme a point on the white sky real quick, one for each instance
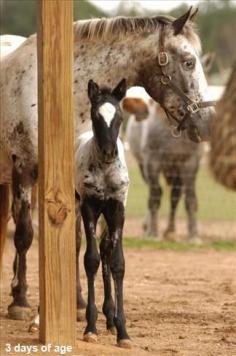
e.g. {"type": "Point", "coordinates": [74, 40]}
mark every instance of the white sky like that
{"type": "Point", "coordinates": [162, 5]}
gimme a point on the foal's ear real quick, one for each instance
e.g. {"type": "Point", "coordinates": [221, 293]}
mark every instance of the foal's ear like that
{"type": "Point", "coordinates": [179, 23]}
{"type": "Point", "coordinates": [93, 90]}
{"type": "Point", "coordinates": [120, 90]}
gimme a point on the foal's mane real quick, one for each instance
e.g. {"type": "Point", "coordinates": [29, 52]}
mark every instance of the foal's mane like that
{"type": "Point", "coordinates": [120, 27]}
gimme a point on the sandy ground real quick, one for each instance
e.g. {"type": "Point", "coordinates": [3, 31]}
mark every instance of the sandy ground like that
{"type": "Point", "coordinates": [176, 303]}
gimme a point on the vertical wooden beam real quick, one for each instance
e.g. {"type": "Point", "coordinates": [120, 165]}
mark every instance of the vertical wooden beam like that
{"type": "Point", "coordinates": [56, 173]}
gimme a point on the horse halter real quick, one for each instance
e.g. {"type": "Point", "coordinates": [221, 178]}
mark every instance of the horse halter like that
{"type": "Point", "coordinates": [191, 106]}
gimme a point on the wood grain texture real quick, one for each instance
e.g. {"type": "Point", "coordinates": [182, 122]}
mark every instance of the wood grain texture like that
{"type": "Point", "coordinates": [56, 173]}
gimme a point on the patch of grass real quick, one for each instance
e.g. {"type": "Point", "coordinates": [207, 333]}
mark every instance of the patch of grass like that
{"type": "Point", "coordinates": [178, 246]}
{"type": "Point", "coordinates": [214, 201]}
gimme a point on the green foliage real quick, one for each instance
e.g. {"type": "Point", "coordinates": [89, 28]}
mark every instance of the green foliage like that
{"type": "Point", "coordinates": [20, 16]}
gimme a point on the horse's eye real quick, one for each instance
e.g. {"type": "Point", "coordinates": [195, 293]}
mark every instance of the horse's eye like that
{"type": "Point", "coordinates": [189, 64]}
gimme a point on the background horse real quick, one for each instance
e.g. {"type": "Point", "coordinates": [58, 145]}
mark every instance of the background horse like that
{"type": "Point", "coordinates": [156, 152]}
{"type": "Point", "coordinates": [162, 50]}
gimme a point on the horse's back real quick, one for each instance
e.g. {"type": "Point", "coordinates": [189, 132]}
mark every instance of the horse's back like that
{"type": "Point", "coordinates": [8, 43]}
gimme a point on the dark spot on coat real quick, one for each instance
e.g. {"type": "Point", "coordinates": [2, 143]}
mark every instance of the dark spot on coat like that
{"type": "Point", "coordinates": [91, 168]}
{"type": "Point", "coordinates": [76, 81]}
{"type": "Point", "coordinates": [13, 157]}
{"type": "Point", "coordinates": [33, 105]}
{"type": "Point", "coordinates": [34, 172]}
{"type": "Point", "coordinates": [20, 128]}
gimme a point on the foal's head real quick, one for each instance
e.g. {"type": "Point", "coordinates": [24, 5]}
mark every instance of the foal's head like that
{"type": "Point", "coordinates": [106, 117]}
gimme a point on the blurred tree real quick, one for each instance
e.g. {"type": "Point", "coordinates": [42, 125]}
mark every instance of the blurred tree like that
{"type": "Point", "coordinates": [20, 16]}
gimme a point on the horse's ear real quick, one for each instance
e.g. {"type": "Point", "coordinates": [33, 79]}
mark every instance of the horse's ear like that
{"type": "Point", "coordinates": [93, 90]}
{"type": "Point", "coordinates": [120, 90]}
{"type": "Point", "coordinates": [193, 14]}
{"type": "Point", "coordinates": [207, 61]}
{"type": "Point", "coordinates": [179, 23]}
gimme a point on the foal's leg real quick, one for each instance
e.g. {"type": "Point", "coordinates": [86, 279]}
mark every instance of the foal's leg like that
{"type": "Point", "coordinates": [176, 191]}
{"type": "Point", "coordinates": [154, 197]}
{"type": "Point", "coordinates": [108, 305]}
{"type": "Point", "coordinates": [80, 300]}
{"type": "Point", "coordinates": [19, 308]}
{"type": "Point", "coordinates": [89, 211]}
{"type": "Point", "coordinates": [114, 215]}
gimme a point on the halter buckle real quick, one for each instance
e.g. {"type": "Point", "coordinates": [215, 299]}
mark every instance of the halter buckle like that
{"type": "Point", "coordinates": [175, 132]}
{"type": "Point", "coordinates": [162, 59]}
{"type": "Point", "coordinates": [165, 79]}
{"type": "Point", "coordinates": [193, 108]}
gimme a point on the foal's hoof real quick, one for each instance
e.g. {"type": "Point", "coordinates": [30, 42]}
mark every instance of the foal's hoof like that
{"type": "Point", "coordinates": [124, 343]}
{"type": "Point", "coordinates": [80, 314]}
{"type": "Point", "coordinates": [33, 328]}
{"type": "Point", "coordinates": [16, 312]}
{"type": "Point", "coordinates": [91, 337]}
{"type": "Point", "coordinates": [111, 330]}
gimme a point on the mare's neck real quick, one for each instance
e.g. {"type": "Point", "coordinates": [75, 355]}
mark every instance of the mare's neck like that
{"type": "Point", "coordinates": [107, 62]}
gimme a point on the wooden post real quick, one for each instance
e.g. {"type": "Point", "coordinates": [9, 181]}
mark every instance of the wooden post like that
{"type": "Point", "coordinates": [57, 271]}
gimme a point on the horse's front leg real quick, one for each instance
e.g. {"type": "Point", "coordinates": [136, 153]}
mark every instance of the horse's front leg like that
{"type": "Point", "coordinates": [80, 300]}
{"type": "Point", "coordinates": [114, 216]}
{"type": "Point", "coordinates": [91, 264]}
{"type": "Point", "coordinates": [19, 308]}
{"type": "Point", "coordinates": [108, 304]}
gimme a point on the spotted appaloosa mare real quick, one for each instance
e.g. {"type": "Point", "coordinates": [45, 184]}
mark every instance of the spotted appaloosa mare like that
{"type": "Point", "coordinates": [105, 50]}
{"type": "Point", "coordinates": [102, 185]}
{"type": "Point", "coordinates": [156, 152]}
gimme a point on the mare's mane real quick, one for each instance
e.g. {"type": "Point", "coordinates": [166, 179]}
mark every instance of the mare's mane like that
{"type": "Point", "coordinates": [121, 27]}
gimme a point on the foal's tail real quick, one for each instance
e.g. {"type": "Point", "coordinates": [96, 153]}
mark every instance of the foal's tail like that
{"type": "Point", "coordinates": [4, 210]}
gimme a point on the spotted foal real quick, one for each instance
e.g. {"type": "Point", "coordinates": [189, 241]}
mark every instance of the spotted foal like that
{"type": "Point", "coordinates": [102, 186]}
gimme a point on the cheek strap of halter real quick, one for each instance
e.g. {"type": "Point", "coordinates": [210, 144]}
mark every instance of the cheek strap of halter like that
{"type": "Point", "coordinates": [192, 106]}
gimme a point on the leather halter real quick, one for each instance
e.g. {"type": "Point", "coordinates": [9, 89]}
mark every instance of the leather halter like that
{"type": "Point", "coordinates": [191, 106]}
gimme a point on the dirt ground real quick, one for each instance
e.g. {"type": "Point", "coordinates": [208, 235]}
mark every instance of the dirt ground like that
{"type": "Point", "coordinates": [176, 303]}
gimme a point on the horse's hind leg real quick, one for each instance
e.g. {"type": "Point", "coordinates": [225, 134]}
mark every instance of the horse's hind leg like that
{"type": "Point", "coordinates": [191, 208]}
{"type": "Point", "coordinates": [154, 199]}
{"type": "Point", "coordinates": [19, 308]}
{"type": "Point", "coordinates": [4, 210]}
{"type": "Point", "coordinates": [176, 191]}
{"type": "Point", "coordinates": [108, 305]}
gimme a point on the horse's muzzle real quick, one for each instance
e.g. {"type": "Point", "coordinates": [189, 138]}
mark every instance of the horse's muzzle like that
{"type": "Point", "coordinates": [198, 126]}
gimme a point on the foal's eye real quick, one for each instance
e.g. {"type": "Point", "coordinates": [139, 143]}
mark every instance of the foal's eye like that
{"type": "Point", "coordinates": [189, 64]}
